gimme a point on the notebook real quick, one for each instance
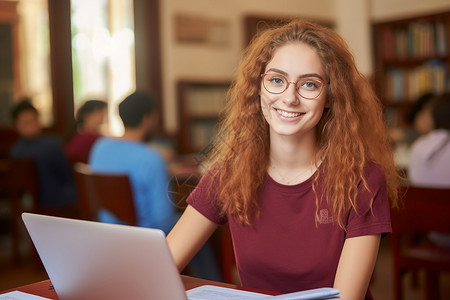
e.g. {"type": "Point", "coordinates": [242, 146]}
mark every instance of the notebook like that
{"type": "Point", "coordinates": [92, 260]}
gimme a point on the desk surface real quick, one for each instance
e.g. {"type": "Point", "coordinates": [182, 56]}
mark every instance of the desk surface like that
{"type": "Point", "coordinates": [43, 288]}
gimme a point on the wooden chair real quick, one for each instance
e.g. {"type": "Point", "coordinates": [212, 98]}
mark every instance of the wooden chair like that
{"type": "Point", "coordinates": [18, 176]}
{"type": "Point", "coordinates": [104, 190]}
{"type": "Point", "coordinates": [423, 210]}
{"type": "Point", "coordinates": [226, 252]}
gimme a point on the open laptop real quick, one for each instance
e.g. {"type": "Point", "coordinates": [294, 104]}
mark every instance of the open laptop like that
{"type": "Point", "coordinates": [89, 260]}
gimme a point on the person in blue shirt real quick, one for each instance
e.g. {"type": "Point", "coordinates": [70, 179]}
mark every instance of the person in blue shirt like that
{"type": "Point", "coordinates": [57, 191]}
{"type": "Point", "coordinates": [147, 170]}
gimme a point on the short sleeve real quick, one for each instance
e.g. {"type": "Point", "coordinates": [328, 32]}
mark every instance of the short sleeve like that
{"type": "Point", "coordinates": [371, 217]}
{"type": "Point", "coordinates": [204, 201]}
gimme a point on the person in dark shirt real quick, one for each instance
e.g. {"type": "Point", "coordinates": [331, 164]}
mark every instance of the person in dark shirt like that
{"type": "Point", "coordinates": [57, 190]}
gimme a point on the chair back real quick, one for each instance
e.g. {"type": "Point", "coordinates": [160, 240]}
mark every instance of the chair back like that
{"type": "Point", "coordinates": [104, 190]}
{"type": "Point", "coordinates": [18, 176]}
{"type": "Point", "coordinates": [422, 210]}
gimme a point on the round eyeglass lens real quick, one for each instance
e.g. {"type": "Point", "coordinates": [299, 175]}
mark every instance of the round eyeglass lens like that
{"type": "Point", "coordinates": [309, 88]}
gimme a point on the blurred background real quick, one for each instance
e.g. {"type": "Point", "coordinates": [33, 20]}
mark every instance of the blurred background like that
{"type": "Point", "coordinates": [60, 53]}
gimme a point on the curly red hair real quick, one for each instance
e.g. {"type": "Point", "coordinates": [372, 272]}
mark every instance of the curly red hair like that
{"type": "Point", "coordinates": [350, 134]}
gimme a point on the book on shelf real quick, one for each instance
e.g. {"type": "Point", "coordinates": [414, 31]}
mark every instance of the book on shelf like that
{"type": "Point", "coordinates": [441, 39]}
{"type": "Point", "coordinates": [401, 44]}
{"type": "Point", "coordinates": [388, 43]}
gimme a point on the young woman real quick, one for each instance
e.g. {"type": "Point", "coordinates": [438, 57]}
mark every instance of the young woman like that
{"type": "Point", "coordinates": [301, 170]}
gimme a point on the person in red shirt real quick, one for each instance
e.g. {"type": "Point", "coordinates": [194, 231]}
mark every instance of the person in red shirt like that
{"type": "Point", "coordinates": [301, 170]}
{"type": "Point", "coordinates": [89, 120]}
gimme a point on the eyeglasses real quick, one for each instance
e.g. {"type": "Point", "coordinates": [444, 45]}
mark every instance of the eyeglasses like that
{"type": "Point", "coordinates": [308, 88]}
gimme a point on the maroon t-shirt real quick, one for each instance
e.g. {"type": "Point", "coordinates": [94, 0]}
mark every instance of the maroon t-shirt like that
{"type": "Point", "coordinates": [286, 250]}
{"type": "Point", "coordinates": [79, 147]}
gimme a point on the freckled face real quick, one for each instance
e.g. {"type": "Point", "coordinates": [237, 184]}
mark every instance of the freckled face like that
{"type": "Point", "coordinates": [288, 113]}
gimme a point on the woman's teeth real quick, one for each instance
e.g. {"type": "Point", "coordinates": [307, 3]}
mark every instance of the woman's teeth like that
{"type": "Point", "coordinates": [287, 114]}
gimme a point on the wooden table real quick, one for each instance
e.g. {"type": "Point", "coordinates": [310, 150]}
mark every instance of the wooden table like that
{"type": "Point", "coordinates": [44, 289]}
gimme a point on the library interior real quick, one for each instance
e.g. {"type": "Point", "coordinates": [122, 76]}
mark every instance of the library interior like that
{"type": "Point", "coordinates": [75, 62]}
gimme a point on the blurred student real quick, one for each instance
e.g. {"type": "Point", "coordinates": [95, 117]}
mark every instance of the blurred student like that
{"type": "Point", "coordinates": [419, 124]}
{"type": "Point", "coordinates": [430, 153]}
{"type": "Point", "coordinates": [89, 120]}
{"type": "Point", "coordinates": [56, 186]}
{"type": "Point", "coordinates": [144, 165]}
{"type": "Point", "coordinates": [148, 174]}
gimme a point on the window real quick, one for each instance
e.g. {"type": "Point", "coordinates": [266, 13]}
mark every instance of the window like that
{"type": "Point", "coordinates": [103, 59]}
{"type": "Point", "coordinates": [25, 58]}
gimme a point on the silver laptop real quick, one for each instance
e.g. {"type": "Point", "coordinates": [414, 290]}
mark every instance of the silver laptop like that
{"type": "Point", "coordinates": [90, 260]}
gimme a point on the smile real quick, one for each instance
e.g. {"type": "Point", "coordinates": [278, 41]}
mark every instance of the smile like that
{"type": "Point", "coordinates": [287, 114]}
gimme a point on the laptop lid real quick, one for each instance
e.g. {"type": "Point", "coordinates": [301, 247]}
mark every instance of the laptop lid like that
{"type": "Point", "coordinates": [92, 260]}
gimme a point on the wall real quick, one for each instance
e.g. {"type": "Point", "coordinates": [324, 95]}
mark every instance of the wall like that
{"type": "Point", "coordinates": [203, 62]}
{"type": "Point", "coordinates": [352, 19]}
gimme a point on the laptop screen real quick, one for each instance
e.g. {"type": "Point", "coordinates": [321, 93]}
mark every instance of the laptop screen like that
{"type": "Point", "coordinates": [92, 260]}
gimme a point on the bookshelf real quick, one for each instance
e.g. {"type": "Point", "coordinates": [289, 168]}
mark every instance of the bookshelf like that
{"type": "Point", "coordinates": [411, 58]}
{"type": "Point", "coordinates": [199, 105]}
